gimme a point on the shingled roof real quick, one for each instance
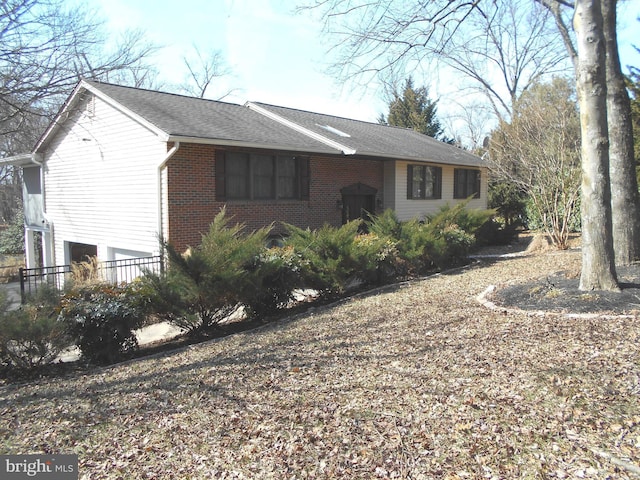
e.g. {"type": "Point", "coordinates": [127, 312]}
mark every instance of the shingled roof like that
{"type": "Point", "coordinates": [188, 119]}
{"type": "Point", "coordinates": [375, 140]}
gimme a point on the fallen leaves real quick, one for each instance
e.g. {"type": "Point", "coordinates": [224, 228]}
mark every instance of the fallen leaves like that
{"type": "Point", "coordinates": [416, 382]}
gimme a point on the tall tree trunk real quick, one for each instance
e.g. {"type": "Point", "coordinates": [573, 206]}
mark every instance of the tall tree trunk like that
{"type": "Point", "coordinates": [622, 169]}
{"type": "Point", "coordinates": [598, 268]}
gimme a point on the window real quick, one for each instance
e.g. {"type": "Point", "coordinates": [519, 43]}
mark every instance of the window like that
{"type": "Point", "coordinates": [237, 179]}
{"type": "Point", "coordinates": [81, 252]}
{"type": "Point", "coordinates": [424, 182]}
{"type": "Point", "coordinates": [287, 177]}
{"type": "Point", "coordinates": [245, 176]}
{"type": "Point", "coordinates": [262, 167]}
{"type": "Point", "coordinates": [466, 183]}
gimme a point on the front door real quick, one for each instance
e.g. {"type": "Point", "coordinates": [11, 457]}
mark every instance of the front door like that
{"type": "Point", "coordinates": [358, 202]}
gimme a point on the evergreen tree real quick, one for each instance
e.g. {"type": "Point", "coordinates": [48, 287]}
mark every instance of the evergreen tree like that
{"type": "Point", "coordinates": [413, 109]}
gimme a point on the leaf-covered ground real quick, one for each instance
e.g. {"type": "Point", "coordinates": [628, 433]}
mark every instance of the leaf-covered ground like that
{"type": "Point", "coordinates": [419, 381]}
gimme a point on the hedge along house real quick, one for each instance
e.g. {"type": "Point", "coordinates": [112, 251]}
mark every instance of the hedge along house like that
{"type": "Point", "coordinates": [121, 167]}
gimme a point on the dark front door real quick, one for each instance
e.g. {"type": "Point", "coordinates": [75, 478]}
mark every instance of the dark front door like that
{"type": "Point", "coordinates": [358, 202]}
{"type": "Point", "coordinates": [357, 206]}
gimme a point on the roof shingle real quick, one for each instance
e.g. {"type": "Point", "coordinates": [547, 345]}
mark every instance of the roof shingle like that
{"type": "Point", "coordinates": [195, 118]}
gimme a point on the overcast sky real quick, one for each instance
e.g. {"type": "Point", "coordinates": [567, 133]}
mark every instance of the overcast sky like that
{"type": "Point", "coordinates": [275, 55]}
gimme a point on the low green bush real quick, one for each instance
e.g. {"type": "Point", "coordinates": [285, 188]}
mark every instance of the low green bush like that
{"type": "Point", "coordinates": [206, 284]}
{"type": "Point", "coordinates": [274, 277]}
{"type": "Point", "coordinates": [31, 336]}
{"type": "Point", "coordinates": [496, 232]}
{"type": "Point", "coordinates": [101, 319]}
{"type": "Point", "coordinates": [375, 258]}
{"type": "Point", "coordinates": [326, 254]}
{"type": "Point", "coordinates": [441, 241]}
{"type": "Point", "coordinates": [336, 259]}
{"type": "Point", "coordinates": [452, 231]}
{"type": "Point", "coordinates": [410, 241]}
{"type": "Point", "coordinates": [232, 270]}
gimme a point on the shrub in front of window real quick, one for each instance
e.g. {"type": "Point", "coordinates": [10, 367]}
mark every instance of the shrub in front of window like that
{"type": "Point", "coordinates": [376, 257]}
{"type": "Point", "coordinates": [211, 281]}
{"type": "Point", "coordinates": [274, 276]}
{"type": "Point", "coordinates": [452, 231]}
{"type": "Point", "coordinates": [440, 241]}
{"type": "Point", "coordinates": [410, 239]}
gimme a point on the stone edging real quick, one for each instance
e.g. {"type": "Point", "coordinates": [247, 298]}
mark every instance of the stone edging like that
{"type": "Point", "coordinates": [485, 302]}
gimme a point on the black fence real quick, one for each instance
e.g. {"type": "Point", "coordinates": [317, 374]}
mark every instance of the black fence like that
{"type": "Point", "coordinates": [111, 271]}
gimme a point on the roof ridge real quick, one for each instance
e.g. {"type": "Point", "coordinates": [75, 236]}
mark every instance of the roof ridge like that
{"type": "Point", "coordinates": [97, 83]}
{"type": "Point", "coordinates": [316, 113]}
{"type": "Point", "coordinates": [397, 127]}
{"type": "Point", "coordinates": [255, 106]}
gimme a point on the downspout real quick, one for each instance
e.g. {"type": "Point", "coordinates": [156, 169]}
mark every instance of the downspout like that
{"type": "Point", "coordinates": [170, 153]}
{"type": "Point", "coordinates": [51, 243]}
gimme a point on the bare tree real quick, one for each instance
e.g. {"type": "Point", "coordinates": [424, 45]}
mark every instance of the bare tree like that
{"type": "Point", "coordinates": [203, 71]}
{"type": "Point", "coordinates": [622, 166]}
{"type": "Point", "coordinates": [539, 152]}
{"type": "Point", "coordinates": [625, 202]}
{"type": "Point", "coordinates": [501, 48]}
{"type": "Point", "coordinates": [598, 265]}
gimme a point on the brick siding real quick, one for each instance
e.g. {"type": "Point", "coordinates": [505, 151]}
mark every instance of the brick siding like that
{"type": "Point", "coordinates": [193, 205]}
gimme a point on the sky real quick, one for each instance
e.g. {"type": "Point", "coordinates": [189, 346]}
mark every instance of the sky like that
{"type": "Point", "coordinates": [277, 56]}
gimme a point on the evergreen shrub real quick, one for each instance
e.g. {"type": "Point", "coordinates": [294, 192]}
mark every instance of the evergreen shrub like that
{"type": "Point", "coordinates": [101, 319]}
{"type": "Point", "coordinates": [452, 233]}
{"type": "Point", "coordinates": [206, 284]}
{"type": "Point", "coordinates": [327, 255]}
{"type": "Point", "coordinates": [274, 277]}
{"type": "Point", "coordinates": [32, 336]}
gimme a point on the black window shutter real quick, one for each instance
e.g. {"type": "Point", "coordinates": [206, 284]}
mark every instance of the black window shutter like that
{"type": "Point", "coordinates": [221, 192]}
{"type": "Point", "coordinates": [456, 182]}
{"type": "Point", "coordinates": [305, 174]}
{"type": "Point", "coordinates": [477, 189]}
{"type": "Point", "coordinates": [409, 182]}
{"type": "Point", "coordinates": [437, 189]}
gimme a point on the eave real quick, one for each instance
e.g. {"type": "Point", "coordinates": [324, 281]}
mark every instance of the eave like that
{"type": "Point", "coordinates": [22, 160]}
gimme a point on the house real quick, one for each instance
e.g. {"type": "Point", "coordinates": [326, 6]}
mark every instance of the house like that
{"type": "Point", "coordinates": [120, 167]}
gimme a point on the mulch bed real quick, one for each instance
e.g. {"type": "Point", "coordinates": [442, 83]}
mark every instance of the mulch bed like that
{"type": "Point", "coordinates": [558, 292]}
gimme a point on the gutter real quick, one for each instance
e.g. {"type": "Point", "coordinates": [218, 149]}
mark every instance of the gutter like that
{"type": "Point", "coordinates": [161, 166]}
{"type": "Point", "coordinates": [22, 160]}
{"type": "Point", "coordinates": [244, 144]}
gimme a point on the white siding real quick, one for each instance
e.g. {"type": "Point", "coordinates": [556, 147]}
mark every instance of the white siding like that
{"type": "Point", "coordinates": [389, 190]}
{"type": "Point", "coordinates": [407, 209]}
{"type": "Point", "coordinates": [101, 182]}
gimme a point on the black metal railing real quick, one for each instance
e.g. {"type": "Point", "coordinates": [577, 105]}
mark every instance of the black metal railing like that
{"type": "Point", "coordinates": [111, 271]}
